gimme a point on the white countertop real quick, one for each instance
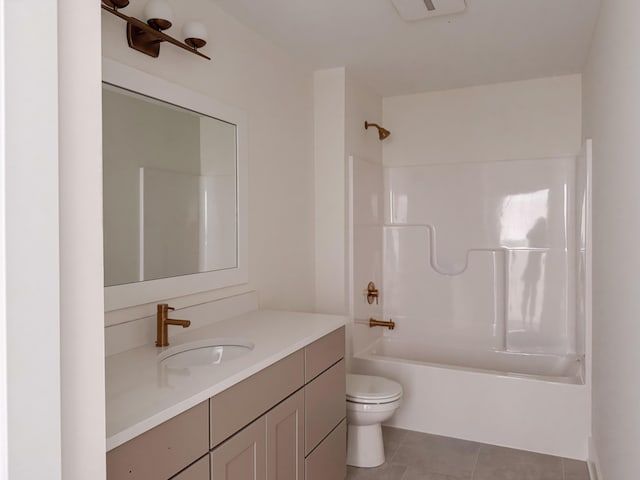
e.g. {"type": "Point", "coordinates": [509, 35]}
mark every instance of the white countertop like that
{"type": "Point", "coordinates": [142, 394]}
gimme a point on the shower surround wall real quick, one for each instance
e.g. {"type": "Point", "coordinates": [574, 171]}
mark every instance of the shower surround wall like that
{"type": "Point", "coordinates": [485, 268]}
{"type": "Point", "coordinates": [366, 221]}
{"type": "Point", "coordinates": [482, 255]}
{"type": "Point", "coordinates": [479, 264]}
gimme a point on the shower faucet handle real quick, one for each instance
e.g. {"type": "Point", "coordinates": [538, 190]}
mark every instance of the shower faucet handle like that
{"type": "Point", "coordinates": [372, 293]}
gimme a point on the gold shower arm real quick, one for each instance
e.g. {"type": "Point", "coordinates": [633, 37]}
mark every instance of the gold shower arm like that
{"type": "Point", "coordinates": [382, 132]}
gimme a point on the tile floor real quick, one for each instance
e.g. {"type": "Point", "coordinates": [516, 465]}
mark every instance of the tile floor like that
{"type": "Point", "coordinates": [420, 456]}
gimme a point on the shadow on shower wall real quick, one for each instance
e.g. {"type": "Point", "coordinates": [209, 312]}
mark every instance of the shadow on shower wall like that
{"type": "Point", "coordinates": [472, 255]}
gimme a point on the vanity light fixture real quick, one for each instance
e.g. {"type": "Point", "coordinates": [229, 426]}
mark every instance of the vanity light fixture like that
{"type": "Point", "coordinates": [147, 37]}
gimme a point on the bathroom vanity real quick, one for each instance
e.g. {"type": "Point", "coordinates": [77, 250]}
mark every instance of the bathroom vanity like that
{"type": "Point", "coordinates": [260, 396]}
{"type": "Point", "coordinates": [275, 412]}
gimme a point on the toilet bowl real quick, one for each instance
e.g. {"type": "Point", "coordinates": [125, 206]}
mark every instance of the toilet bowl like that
{"type": "Point", "coordinates": [370, 401]}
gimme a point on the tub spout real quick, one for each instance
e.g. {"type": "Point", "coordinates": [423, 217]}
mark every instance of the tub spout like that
{"type": "Point", "coordinates": [381, 323]}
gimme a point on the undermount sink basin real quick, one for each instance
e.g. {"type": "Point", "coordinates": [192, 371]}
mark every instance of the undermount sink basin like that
{"type": "Point", "coordinates": [205, 352]}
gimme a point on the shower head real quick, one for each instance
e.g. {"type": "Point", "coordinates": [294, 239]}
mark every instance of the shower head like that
{"type": "Point", "coordinates": [382, 132]}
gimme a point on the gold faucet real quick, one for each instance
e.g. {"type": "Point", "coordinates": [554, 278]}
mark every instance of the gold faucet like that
{"type": "Point", "coordinates": [378, 323]}
{"type": "Point", "coordinates": [163, 321]}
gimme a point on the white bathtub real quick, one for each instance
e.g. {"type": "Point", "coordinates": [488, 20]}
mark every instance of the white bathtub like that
{"type": "Point", "coordinates": [552, 368]}
{"type": "Point", "coordinates": [534, 402]}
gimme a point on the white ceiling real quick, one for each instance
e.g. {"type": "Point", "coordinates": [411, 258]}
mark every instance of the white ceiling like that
{"type": "Point", "coordinates": [491, 41]}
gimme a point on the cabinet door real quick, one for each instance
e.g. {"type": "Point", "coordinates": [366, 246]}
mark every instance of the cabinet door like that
{"type": "Point", "coordinates": [329, 460]}
{"type": "Point", "coordinates": [325, 404]}
{"type": "Point", "coordinates": [197, 471]}
{"type": "Point", "coordinates": [285, 439]}
{"type": "Point", "coordinates": [243, 456]}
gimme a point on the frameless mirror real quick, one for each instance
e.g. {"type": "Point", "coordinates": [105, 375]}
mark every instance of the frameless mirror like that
{"type": "Point", "coordinates": [173, 193]}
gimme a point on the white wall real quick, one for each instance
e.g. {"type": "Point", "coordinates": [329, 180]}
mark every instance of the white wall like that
{"type": "Point", "coordinates": [30, 227]}
{"type": "Point", "coordinates": [342, 103]}
{"type": "Point", "coordinates": [51, 232]}
{"type": "Point", "coordinates": [329, 192]}
{"type": "Point", "coordinates": [4, 467]}
{"type": "Point", "coordinates": [611, 118]}
{"type": "Point", "coordinates": [81, 273]}
{"type": "Point", "coordinates": [366, 217]}
{"type": "Point", "coordinates": [362, 103]}
{"type": "Point", "coordinates": [246, 71]}
{"type": "Point", "coordinates": [517, 120]}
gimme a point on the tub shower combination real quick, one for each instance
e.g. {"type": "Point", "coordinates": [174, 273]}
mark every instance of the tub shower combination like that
{"type": "Point", "coordinates": [484, 269]}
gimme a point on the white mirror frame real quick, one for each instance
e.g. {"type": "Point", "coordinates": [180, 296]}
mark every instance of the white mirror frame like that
{"type": "Point", "coordinates": [138, 293]}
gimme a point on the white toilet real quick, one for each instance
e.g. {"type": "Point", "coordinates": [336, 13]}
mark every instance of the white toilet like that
{"type": "Point", "coordinates": [370, 401]}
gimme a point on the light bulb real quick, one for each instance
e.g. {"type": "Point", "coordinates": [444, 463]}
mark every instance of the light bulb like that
{"type": "Point", "coordinates": [158, 14]}
{"type": "Point", "coordinates": [195, 34]}
{"type": "Point", "coordinates": [116, 3]}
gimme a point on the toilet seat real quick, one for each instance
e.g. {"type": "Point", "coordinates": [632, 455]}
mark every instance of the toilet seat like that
{"type": "Point", "coordinates": [369, 389]}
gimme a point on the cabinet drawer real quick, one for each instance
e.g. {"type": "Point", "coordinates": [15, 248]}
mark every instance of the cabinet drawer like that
{"type": "Point", "coordinates": [323, 353]}
{"type": "Point", "coordinates": [325, 404]}
{"type": "Point", "coordinates": [243, 456]}
{"type": "Point", "coordinates": [198, 471]}
{"type": "Point", "coordinates": [329, 460]}
{"type": "Point", "coordinates": [164, 450]}
{"type": "Point", "coordinates": [238, 405]}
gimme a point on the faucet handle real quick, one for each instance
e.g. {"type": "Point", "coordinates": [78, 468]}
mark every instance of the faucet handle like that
{"type": "Point", "coordinates": [164, 307]}
{"type": "Point", "coordinates": [372, 293]}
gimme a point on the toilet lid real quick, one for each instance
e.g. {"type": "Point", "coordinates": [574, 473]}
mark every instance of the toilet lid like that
{"type": "Point", "coordinates": [371, 389]}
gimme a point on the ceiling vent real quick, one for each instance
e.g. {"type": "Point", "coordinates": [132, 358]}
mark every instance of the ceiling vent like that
{"type": "Point", "coordinates": [411, 10]}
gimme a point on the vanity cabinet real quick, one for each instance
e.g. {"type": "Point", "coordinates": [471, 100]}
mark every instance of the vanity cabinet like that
{"type": "Point", "coordinates": [270, 448]}
{"type": "Point", "coordinates": [243, 456]}
{"type": "Point", "coordinates": [325, 408]}
{"type": "Point", "coordinates": [197, 471]}
{"type": "Point", "coordinates": [231, 409]}
{"type": "Point", "coordinates": [329, 459]}
{"type": "Point", "coordinates": [285, 439]}
{"type": "Point", "coordinates": [285, 422]}
{"type": "Point", "coordinates": [164, 450]}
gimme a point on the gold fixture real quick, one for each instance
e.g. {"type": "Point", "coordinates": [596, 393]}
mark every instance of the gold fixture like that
{"type": "Point", "coordinates": [382, 132]}
{"type": "Point", "coordinates": [429, 4]}
{"type": "Point", "coordinates": [147, 37]}
{"type": "Point", "coordinates": [381, 323]}
{"type": "Point", "coordinates": [163, 321]}
{"type": "Point", "coordinates": [372, 293]}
